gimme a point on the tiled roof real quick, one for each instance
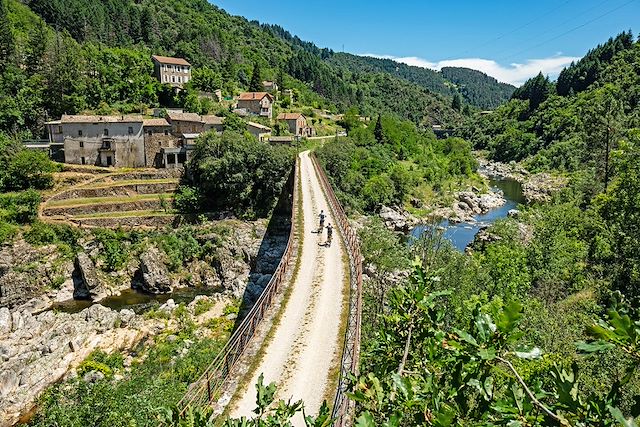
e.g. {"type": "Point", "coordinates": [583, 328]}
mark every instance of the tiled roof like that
{"type": "Point", "coordinates": [184, 117]}
{"type": "Point", "coordinates": [100, 119]}
{"type": "Point", "coordinates": [259, 126]}
{"type": "Point", "coordinates": [170, 60]}
{"type": "Point", "coordinates": [212, 120]}
{"type": "Point", "coordinates": [250, 96]}
{"type": "Point", "coordinates": [289, 116]}
{"type": "Point", "coordinates": [155, 122]}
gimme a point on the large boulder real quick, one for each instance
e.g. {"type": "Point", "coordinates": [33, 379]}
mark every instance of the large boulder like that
{"type": "Point", "coordinates": [154, 273]}
{"type": "Point", "coordinates": [85, 277]}
{"type": "Point", "coordinates": [5, 321]}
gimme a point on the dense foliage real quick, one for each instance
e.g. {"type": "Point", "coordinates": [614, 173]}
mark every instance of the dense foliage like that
{"type": "Point", "coordinates": [511, 334]}
{"type": "Point", "coordinates": [574, 124]}
{"type": "Point", "coordinates": [389, 161]}
{"type": "Point", "coordinates": [477, 88]}
{"type": "Point", "coordinates": [235, 172]}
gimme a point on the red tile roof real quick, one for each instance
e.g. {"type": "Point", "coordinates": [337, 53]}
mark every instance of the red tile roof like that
{"type": "Point", "coordinates": [289, 116]}
{"type": "Point", "coordinates": [170, 60]}
{"type": "Point", "coordinates": [250, 96]}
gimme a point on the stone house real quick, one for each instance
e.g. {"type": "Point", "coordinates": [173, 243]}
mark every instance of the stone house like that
{"type": "Point", "coordinates": [213, 123]}
{"type": "Point", "coordinates": [102, 140]}
{"type": "Point", "coordinates": [297, 123]}
{"type": "Point", "coordinates": [257, 103]}
{"type": "Point", "coordinates": [185, 122]}
{"type": "Point", "coordinates": [157, 138]}
{"type": "Point", "coordinates": [173, 71]}
{"type": "Point", "coordinates": [262, 132]}
{"type": "Point", "coordinates": [270, 86]}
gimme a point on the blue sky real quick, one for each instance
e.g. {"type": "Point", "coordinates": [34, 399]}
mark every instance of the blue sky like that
{"type": "Point", "coordinates": [510, 40]}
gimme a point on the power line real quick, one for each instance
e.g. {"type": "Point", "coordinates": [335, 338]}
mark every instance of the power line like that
{"type": "Point", "coordinates": [568, 31]}
{"type": "Point", "coordinates": [515, 30]}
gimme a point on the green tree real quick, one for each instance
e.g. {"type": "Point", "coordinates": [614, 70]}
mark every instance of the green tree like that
{"type": "Point", "coordinates": [256, 78]}
{"type": "Point", "coordinates": [7, 41]}
{"type": "Point", "coordinates": [378, 132]}
{"type": "Point", "coordinates": [29, 169]}
{"type": "Point", "coordinates": [456, 102]}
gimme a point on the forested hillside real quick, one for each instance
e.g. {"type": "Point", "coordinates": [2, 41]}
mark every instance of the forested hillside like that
{"type": "Point", "coordinates": [476, 88]}
{"type": "Point", "coordinates": [574, 124]}
{"type": "Point", "coordinates": [95, 56]}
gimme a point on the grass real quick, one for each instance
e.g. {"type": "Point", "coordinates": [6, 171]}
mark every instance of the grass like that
{"type": "Point", "coordinates": [106, 200]}
{"type": "Point", "coordinates": [124, 183]}
{"type": "Point", "coordinates": [128, 214]}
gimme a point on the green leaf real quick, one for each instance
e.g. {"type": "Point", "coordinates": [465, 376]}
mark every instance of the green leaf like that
{"type": "Point", "coordinates": [619, 417]}
{"type": "Point", "coordinates": [365, 420]}
{"type": "Point", "coordinates": [487, 353]}
{"type": "Point", "coordinates": [594, 347]}
{"type": "Point", "coordinates": [465, 336]}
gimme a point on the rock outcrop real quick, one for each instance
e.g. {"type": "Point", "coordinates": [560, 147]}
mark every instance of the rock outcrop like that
{"type": "Point", "coordinates": [85, 277]}
{"type": "Point", "coordinates": [397, 219]}
{"type": "Point", "coordinates": [154, 275]}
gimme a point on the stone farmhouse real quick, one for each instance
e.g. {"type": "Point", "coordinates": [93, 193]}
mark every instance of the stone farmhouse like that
{"type": "Point", "coordinates": [270, 86]}
{"type": "Point", "coordinates": [262, 132]}
{"type": "Point", "coordinates": [173, 71]}
{"type": "Point", "coordinates": [297, 123]}
{"type": "Point", "coordinates": [256, 103]}
{"type": "Point", "coordinates": [130, 141]}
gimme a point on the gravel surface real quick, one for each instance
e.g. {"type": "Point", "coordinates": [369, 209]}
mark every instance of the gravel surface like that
{"type": "Point", "coordinates": [307, 344]}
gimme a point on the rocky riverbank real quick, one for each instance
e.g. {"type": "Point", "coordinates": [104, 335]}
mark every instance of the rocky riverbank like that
{"type": "Point", "coordinates": [536, 188]}
{"type": "Point", "coordinates": [38, 350]}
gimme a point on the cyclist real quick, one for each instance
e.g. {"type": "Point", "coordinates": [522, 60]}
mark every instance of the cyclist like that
{"type": "Point", "coordinates": [322, 217]}
{"type": "Point", "coordinates": [329, 234]}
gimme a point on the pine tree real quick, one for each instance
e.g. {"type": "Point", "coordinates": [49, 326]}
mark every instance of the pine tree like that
{"type": "Point", "coordinates": [7, 42]}
{"type": "Point", "coordinates": [36, 48]}
{"type": "Point", "coordinates": [456, 103]}
{"type": "Point", "coordinates": [256, 79]}
{"type": "Point", "coordinates": [378, 131]}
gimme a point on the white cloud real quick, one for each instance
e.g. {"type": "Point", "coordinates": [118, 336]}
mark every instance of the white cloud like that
{"type": "Point", "coordinates": [515, 73]}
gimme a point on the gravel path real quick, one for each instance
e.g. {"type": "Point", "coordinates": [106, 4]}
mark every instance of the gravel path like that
{"type": "Point", "coordinates": [307, 344]}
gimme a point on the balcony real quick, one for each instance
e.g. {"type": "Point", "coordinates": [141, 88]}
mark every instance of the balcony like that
{"type": "Point", "coordinates": [107, 145]}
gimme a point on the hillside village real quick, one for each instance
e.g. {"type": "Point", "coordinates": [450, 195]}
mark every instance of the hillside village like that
{"type": "Point", "coordinates": [167, 138]}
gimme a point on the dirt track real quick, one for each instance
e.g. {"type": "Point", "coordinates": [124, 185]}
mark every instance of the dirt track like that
{"type": "Point", "coordinates": [307, 344]}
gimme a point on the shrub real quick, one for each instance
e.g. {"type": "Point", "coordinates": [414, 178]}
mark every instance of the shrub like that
{"type": "Point", "coordinates": [7, 232]}
{"type": "Point", "coordinates": [29, 169]}
{"type": "Point", "coordinates": [19, 208]}
{"type": "Point", "coordinates": [187, 199]}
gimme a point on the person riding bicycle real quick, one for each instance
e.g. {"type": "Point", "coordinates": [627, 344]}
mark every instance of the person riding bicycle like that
{"type": "Point", "coordinates": [329, 233]}
{"type": "Point", "coordinates": [322, 217]}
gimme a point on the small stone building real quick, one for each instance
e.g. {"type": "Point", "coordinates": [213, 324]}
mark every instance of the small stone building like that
{"type": "Point", "coordinates": [297, 123]}
{"type": "Point", "coordinates": [173, 71]}
{"type": "Point", "coordinates": [257, 103]}
{"type": "Point", "coordinates": [157, 137]}
{"type": "Point", "coordinates": [102, 140]}
{"type": "Point", "coordinates": [262, 132]}
{"type": "Point", "coordinates": [270, 86]}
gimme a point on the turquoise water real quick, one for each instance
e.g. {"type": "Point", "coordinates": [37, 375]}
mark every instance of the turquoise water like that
{"type": "Point", "coordinates": [461, 234]}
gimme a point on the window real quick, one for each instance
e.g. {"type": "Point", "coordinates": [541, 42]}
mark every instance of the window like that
{"type": "Point", "coordinates": [79, 132]}
{"type": "Point", "coordinates": [82, 161]}
{"type": "Point", "coordinates": [59, 129]}
{"type": "Point", "coordinates": [173, 79]}
{"type": "Point", "coordinates": [150, 132]}
{"type": "Point", "coordinates": [81, 144]}
{"type": "Point", "coordinates": [105, 132]}
{"type": "Point", "coordinates": [166, 131]}
{"type": "Point", "coordinates": [130, 130]}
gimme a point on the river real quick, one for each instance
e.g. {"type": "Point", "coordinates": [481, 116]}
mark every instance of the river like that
{"type": "Point", "coordinates": [137, 301]}
{"type": "Point", "coordinates": [461, 234]}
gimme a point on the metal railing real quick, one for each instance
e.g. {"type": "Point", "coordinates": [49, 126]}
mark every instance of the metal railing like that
{"type": "Point", "coordinates": [207, 388]}
{"type": "Point", "coordinates": [343, 407]}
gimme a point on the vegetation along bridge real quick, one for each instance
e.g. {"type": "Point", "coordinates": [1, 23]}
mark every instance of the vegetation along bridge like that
{"type": "Point", "coordinates": [315, 342]}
